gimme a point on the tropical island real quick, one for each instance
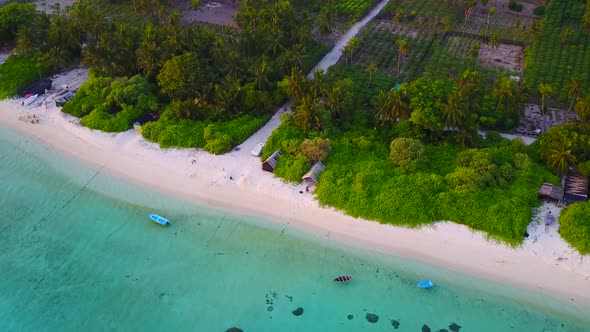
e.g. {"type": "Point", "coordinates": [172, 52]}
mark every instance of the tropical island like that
{"type": "Point", "coordinates": [408, 123]}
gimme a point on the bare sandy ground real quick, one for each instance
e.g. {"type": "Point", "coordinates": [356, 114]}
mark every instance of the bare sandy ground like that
{"type": "Point", "coordinates": [220, 12]}
{"type": "Point", "coordinates": [49, 5]}
{"type": "Point", "coordinates": [506, 56]}
{"type": "Point", "coordinates": [544, 264]}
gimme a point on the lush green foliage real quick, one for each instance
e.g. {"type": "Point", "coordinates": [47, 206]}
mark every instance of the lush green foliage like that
{"type": "Point", "coordinates": [354, 9]}
{"type": "Point", "coordinates": [113, 105]}
{"type": "Point", "coordinates": [12, 17]}
{"type": "Point", "coordinates": [19, 71]}
{"type": "Point", "coordinates": [360, 181]}
{"type": "Point", "coordinates": [539, 11]}
{"type": "Point", "coordinates": [555, 57]}
{"type": "Point", "coordinates": [515, 6]}
{"type": "Point", "coordinates": [574, 226]}
{"type": "Point", "coordinates": [215, 137]}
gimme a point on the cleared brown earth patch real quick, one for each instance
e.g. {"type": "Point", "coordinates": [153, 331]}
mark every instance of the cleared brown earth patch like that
{"type": "Point", "coordinates": [509, 57]}
{"type": "Point", "coordinates": [220, 12]}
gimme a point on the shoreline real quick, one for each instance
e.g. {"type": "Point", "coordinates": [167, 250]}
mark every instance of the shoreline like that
{"type": "Point", "coordinates": [235, 182]}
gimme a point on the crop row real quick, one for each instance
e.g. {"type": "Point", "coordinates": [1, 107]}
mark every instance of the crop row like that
{"type": "Point", "coordinates": [354, 9]}
{"type": "Point", "coordinates": [556, 58]}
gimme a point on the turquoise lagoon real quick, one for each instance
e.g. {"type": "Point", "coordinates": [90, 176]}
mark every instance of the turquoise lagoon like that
{"type": "Point", "coordinates": [77, 252]}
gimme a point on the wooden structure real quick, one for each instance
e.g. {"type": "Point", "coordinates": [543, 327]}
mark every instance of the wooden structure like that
{"type": "Point", "coordinates": [271, 162]}
{"type": "Point", "coordinates": [576, 188]}
{"type": "Point", "coordinates": [312, 176]}
{"type": "Point", "coordinates": [549, 190]}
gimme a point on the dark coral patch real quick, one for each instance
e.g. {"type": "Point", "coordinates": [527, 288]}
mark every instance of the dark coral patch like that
{"type": "Point", "coordinates": [425, 328]}
{"type": "Point", "coordinates": [395, 324]}
{"type": "Point", "coordinates": [350, 317]}
{"type": "Point", "coordinates": [298, 311]}
{"type": "Point", "coordinates": [454, 327]}
{"type": "Point", "coordinates": [234, 329]}
{"type": "Point", "coordinates": [443, 330]}
{"type": "Point", "coordinates": [372, 318]}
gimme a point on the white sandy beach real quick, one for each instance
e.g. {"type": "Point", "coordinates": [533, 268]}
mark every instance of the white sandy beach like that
{"type": "Point", "coordinates": [544, 263]}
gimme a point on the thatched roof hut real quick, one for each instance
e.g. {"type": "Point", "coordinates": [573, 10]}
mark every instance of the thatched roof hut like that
{"type": "Point", "coordinates": [271, 162]}
{"type": "Point", "coordinates": [312, 176]}
{"type": "Point", "coordinates": [549, 190]}
{"type": "Point", "coordinates": [576, 188]}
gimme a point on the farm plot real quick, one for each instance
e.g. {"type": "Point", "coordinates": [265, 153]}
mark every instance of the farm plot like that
{"type": "Point", "coordinates": [354, 10]}
{"type": "Point", "coordinates": [504, 24]}
{"type": "Point", "coordinates": [378, 45]}
{"type": "Point", "coordinates": [423, 11]}
{"type": "Point", "coordinates": [508, 57]}
{"type": "Point", "coordinates": [450, 57]}
{"type": "Point", "coordinates": [554, 59]}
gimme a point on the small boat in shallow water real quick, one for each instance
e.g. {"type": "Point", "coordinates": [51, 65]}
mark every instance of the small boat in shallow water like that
{"type": "Point", "coordinates": [425, 284]}
{"type": "Point", "coordinates": [342, 278]}
{"type": "Point", "coordinates": [159, 220]}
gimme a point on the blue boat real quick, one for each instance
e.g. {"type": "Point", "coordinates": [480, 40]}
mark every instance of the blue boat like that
{"type": "Point", "coordinates": [159, 220]}
{"type": "Point", "coordinates": [425, 284]}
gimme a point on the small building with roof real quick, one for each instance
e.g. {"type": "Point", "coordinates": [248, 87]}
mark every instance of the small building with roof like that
{"type": "Point", "coordinates": [552, 191]}
{"type": "Point", "coordinates": [312, 176]}
{"type": "Point", "coordinates": [270, 163]}
{"type": "Point", "coordinates": [576, 189]}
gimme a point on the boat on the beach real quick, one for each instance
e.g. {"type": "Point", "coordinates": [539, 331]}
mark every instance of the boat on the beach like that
{"type": "Point", "coordinates": [342, 278]}
{"type": "Point", "coordinates": [425, 284]}
{"type": "Point", "coordinates": [257, 150]}
{"type": "Point", "coordinates": [159, 220]}
{"type": "Point", "coordinates": [30, 99]}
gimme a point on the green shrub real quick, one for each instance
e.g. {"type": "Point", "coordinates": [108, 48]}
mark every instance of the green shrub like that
{"type": "Point", "coordinates": [12, 17]}
{"type": "Point", "coordinates": [584, 168]}
{"type": "Point", "coordinates": [19, 71]}
{"type": "Point", "coordinates": [515, 6]}
{"type": "Point", "coordinates": [113, 105]}
{"type": "Point", "coordinates": [539, 11]}
{"type": "Point", "coordinates": [574, 226]}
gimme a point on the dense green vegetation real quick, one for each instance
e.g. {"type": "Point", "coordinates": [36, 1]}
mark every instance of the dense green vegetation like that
{"type": "Point", "coordinates": [396, 122]}
{"type": "Point", "coordinates": [574, 226]}
{"type": "Point", "coordinates": [18, 72]}
{"type": "Point", "coordinates": [560, 50]}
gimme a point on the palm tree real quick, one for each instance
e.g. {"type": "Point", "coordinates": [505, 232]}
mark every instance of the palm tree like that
{"type": "Point", "coordinates": [573, 89]}
{"type": "Point", "coordinates": [308, 114]}
{"type": "Point", "coordinates": [352, 45]}
{"type": "Point", "coordinates": [325, 20]}
{"type": "Point", "coordinates": [318, 85]}
{"type": "Point", "coordinates": [371, 68]}
{"type": "Point", "coordinates": [454, 111]}
{"type": "Point", "coordinates": [545, 90]}
{"type": "Point", "coordinates": [390, 106]}
{"type": "Point", "coordinates": [491, 13]}
{"type": "Point", "coordinates": [503, 89]}
{"type": "Point", "coordinates": [493, 41]}
{"type": "Point", "coordinates": [54, 58]}
{"type": "Point", "coordinates": [582, 109]}
{"type": "Point", "coordinates": [294, 86]}
{"type": "Point", "coordinates": [261, 74]}
{"type": "Point", "coordinates": [402, 49]}
{"type": "Point", "coordinates": [566, 34]}
{"type": "Point", "coordinates": [473, 52]}
{"type": "Point", "coordinates": [560, 157]}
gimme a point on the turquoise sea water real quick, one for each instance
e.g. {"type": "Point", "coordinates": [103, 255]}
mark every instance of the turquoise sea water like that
{"type": "Point", "coordinates": [77, 252]}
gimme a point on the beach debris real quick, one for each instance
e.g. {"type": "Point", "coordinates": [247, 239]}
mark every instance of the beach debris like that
{"type": "Point", "coordinates": [425, 328]}
{"type": "Point", "coordinates": [350, 317]}
{"type": "Point", "coordinates": [30, 118]}
{"type": "Point", "coordinates": [395, 324]}
{"type": "Point", "coordinates": [372, 318]}
{"type": "Point", "coordinates": [234, 329]}
{"type": "Point", "coordinates": [454, 327]}
{"type": "Point", "coordinates": [298, 311]}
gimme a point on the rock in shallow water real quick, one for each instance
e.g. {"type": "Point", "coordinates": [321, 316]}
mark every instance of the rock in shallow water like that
{"type": "Point", "coordinates": [350, 317]}
{"type": "Point", "coordinates": [298, 311]}
{"type": "Point", "coordinates": [454, 327]}
{"type": "Point", "coordinates": [234, 329]}
{"type": "Point", "coordinates": [425, 328]}
{"type": "Point", "coordinates": [395, 324]}
{"type": "Point", "coordinates": [372, 318]}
